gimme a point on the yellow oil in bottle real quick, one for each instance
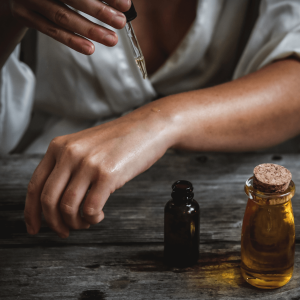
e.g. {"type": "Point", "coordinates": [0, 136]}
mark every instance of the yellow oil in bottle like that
{"type": "Point", "coordinates": [268, 238]}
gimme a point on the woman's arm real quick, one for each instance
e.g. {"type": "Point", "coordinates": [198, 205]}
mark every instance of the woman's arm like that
{"type": "Point", "coordinates": [257, 111]}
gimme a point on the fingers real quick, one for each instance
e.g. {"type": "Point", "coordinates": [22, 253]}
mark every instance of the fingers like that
{"type": "Point", "coordinates": [69, 20]}
{"type": "Point", "coordinates": [121, 5]}
{"type": "Point", "coordinates": [95, 201]}
{"type": "Point", "coordinates": [57, 20]}
{"type": "Point", "coordinates": [32, 212]}
{"type": "Point", "coordinates": [68, 38]}
{"type": "Point", "coordinates": [102, 12]}
{"type": "Point", "coordinates": [50, 197]}
{"type": "Point", "coordinates": [71, 200]}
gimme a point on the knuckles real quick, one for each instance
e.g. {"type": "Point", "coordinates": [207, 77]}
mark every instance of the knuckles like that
{"type": "Point", "coordinates": [89, 212]}
{"type": "Point", "coordinates": [61, 17]}
{"type": "Point", "coordinates": [93, 216]}
{"type": "Point", "coordinates": [100, 170]}
{"type": "Point", "coordinates": [70, 41]}
{"type": "Point", "coordinates": [47, 201]}
{"type": "Point", "coordinates": [31, 189]}
{"type": "Point", "coordinates": [72, 151]}
{"type": "Point", "coordinates": [52, 31]}
{"type": "Point", "coordinates": [67, 209]}
{"type": "Point", "coordinates": [91, 163]}
{"type": "Point", "coordinates": [65, 150]}
{"type": "Point", "coordinates": [101, 12]}
{"type": "Point", "coordinates": [65, 204]}
{"type": "Point", "coordinates": [94, 32]}
{"type": "Point", "coordinates": [76, 153]}
{"type": "Point", "coordinates": [55, 144]}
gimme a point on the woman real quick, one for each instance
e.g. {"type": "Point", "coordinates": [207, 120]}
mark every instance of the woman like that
{"type": "Point", "coordinates": [188, 46]}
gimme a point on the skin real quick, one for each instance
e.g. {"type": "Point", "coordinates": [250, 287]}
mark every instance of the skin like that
{"type": "Point", "coordinates": [257, 111]}
{"type": "Point", "coordinates": [160, 33]}
{"type": "Point", "coordinates": [242, 115]}
{"type": "Point", "coordinates": [55, 19]}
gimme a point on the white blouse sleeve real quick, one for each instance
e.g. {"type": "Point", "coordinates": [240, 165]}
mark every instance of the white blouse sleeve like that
{"type": "Point", "coordinates": [17, 84]}
{"type": "Point", "coordinates": [276, 35]}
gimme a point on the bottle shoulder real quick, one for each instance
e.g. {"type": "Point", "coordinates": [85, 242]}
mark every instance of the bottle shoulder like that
{"type": "Point", "coordinates": [195, 204]}
{"type": "Point", "coordinates": [189, 207]}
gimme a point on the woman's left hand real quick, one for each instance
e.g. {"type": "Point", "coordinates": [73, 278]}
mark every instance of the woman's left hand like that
{"type": "Point", "coordinates": [101, 158]}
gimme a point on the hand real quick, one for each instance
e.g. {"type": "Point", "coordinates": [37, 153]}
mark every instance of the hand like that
{"type": "Point", "coordinates": [101, 158]}
{"type": "Point", "coordinates": [55, 19]}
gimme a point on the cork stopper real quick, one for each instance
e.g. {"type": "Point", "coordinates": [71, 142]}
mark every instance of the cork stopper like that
{"type": "Point", "coordinates": [271, 178]}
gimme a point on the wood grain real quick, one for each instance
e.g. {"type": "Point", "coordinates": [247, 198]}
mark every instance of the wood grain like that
{"type": "Point", "coordinates": [135, 212]}
{"type": "Point", "coordinates": [129, 272]}
{"type": "Point", "coordinates": [121, 258]}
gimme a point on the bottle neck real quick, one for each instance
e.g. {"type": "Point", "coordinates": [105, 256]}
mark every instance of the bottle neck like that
{"type": "Point", "coordinates": [182, 198]}
{"type": "Point", "coordinates": [182, 192]}
{"type": "Point", "coordinates": [267, 199]}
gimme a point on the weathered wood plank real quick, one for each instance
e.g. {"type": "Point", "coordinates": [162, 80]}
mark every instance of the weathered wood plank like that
{"type": "Point", "coordinates": [132, 218]}
{"type": "Point", "coordinates": [101, 264]}
{"type": "Point", "coordinates": [16, 170]}
{"type": "Point", "coordinates": [135, 212]}
{"type": "Point", "coordinates": [129, 272]}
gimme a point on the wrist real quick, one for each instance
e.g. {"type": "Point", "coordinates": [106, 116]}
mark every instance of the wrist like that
{"type": "Point", "coordinates": [163, 120]}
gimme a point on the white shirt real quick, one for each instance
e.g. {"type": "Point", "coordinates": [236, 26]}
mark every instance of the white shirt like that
{"type": "Point", "coordinates": [76, 91]}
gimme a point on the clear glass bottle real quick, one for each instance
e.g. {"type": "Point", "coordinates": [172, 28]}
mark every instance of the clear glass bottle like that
{"type": "Point", "coordinates": [268, 237]}
{"type": "Point", "coordinates": [181, 226]}
{"type": "Point", "coordinates": [130, 15]}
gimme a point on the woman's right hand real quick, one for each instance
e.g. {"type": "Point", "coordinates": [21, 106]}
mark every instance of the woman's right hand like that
{"type": "Point", "coordinates": [55, 19]}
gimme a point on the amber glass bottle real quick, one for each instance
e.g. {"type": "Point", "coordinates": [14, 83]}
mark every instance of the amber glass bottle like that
{"type": "Point", "coordinates": [182, 226]}
{"type": "Point", "coordinates": [268, 237]}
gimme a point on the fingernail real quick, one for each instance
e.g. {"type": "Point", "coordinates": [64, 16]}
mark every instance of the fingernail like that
{"type": "Point", "coordinates": [87, 49]}
{"type": "Point", "coordinates": [119, 21]}
{"type": "Point", "coordinates": [30, 229]}
{"type": "Point", "coordinates": [127, 2]}
{"type": "Point", "coordinates": [110, 40]}
{"type": "Point", "coordinates": [122, 3]}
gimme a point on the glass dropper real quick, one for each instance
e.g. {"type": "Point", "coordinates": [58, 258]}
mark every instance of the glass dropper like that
{"type": "Point", "coordinates": [136, 49]}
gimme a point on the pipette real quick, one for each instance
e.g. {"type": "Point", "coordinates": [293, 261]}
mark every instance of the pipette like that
{"type": "Point", "coordinates": [136, 49]}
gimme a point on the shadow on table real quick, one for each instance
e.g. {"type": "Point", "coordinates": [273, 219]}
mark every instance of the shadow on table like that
{"type": "Point", "coordinates": [219, 273]}
{"type": "Point", "coordinates": [92, 295]}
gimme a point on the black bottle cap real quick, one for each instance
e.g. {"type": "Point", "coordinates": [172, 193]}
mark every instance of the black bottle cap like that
{"type": "Point", "coordinates": [130, 14]}
{"type": "Point", "coordinates": [182, 189]}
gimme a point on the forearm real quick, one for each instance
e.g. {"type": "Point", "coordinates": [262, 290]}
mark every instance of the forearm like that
{"type": "Point", "coordinates": [257, 111]}
{"type": "Point", "coordinates": [11, 32]}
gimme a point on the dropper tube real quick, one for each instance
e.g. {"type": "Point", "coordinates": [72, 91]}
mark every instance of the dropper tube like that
{"type": "Point", "coordinates": [136, 49]}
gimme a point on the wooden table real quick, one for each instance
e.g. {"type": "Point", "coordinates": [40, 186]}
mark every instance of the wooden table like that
{"type": "Point", "coordinates": [121, 258]}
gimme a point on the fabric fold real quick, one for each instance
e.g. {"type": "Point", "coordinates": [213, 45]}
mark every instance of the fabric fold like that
{"type": "Point", "coordinates": [17, 85]}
